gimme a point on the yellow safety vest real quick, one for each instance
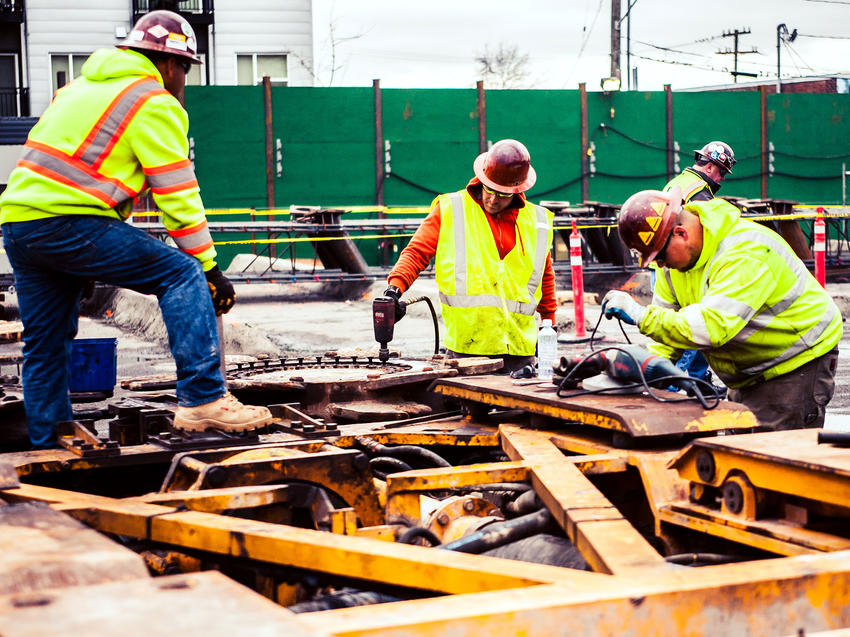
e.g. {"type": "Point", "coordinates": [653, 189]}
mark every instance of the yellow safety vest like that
{"type": "Point", "coordinates": [488, 302]}
{"type": "Point", "coordinates": [107, 136]}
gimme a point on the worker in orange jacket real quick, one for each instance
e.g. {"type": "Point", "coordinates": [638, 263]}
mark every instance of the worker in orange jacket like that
{"type": "Point", "coordinates": [493, 267]}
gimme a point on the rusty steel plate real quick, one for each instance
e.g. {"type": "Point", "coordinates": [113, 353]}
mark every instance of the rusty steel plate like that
{"type": "Point", "coordinates": [637, 416]}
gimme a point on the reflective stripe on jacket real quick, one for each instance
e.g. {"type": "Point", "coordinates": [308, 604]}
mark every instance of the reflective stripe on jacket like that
{"type": "Point", "coordinates": [106, 137]}
{"type": "Point", "coordinates": [489, 303]}
{"type": "Point", "coordinates": [749, 303]}
{"type": "Point", "coordinates": [692, 185]}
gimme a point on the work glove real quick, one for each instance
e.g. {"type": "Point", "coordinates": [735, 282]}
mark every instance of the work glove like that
{"type": "Point", "coordinates": [221, 290]}
{"type": "Point", "coordinates": [619, 304]}
{"type": "Point", "coordinates": [400, 306]}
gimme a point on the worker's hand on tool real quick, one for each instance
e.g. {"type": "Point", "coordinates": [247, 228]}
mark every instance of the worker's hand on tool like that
{"type": "Point", "coordinates": [400, 306]}
{"type": "Point", "coordinates": [221, 290]}
{"type": "Point", "coordinates": [619, 304]}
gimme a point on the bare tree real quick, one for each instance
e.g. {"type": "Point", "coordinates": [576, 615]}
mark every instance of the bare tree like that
{"type": "Point", "coordinates": [506, 67]}
{"type": "Point", "coordinates": [334, 41]}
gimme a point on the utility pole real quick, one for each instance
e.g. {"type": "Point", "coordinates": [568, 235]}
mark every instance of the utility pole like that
{"type": "Point", "coordinates": [734, 34]}
{"type": "Point", "coordinates": [782, 34]}
{"type": "Point", "coordinates": [615, 39]}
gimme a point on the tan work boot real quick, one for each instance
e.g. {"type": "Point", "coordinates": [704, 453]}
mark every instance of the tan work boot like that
{"type": "Point", "coordinates": [226, 413]}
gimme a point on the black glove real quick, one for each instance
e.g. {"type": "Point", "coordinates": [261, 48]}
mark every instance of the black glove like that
{"type": "Point", "coordinates": [400, 306]}
{"type": "Point", "coordinates": [221, 291]}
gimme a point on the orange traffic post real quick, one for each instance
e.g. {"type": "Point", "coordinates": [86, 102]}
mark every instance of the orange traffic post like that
{"type": "Point", "coordinates": [578, 281]}
{"type": "Point", "coordinates": [820, 249]}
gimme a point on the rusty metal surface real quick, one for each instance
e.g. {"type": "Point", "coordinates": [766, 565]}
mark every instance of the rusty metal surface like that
{"type": "Point", "coordinates": [636, 416]}
{"type": "Point", "coordinates": [208, 604]}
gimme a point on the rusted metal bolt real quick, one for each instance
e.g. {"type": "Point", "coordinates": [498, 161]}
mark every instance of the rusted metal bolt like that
{"type": "Point", "coordinates": [295, 424]}
{"type": "Point", "coordinates": [443, 519]}
{"type": "Point", "coordinates": [308, 428]}
{"type": "Point", "coordinates": [468, 506]}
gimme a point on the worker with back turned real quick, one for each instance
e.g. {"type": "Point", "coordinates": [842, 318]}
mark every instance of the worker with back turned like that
{"type": "Point", "coordinates": [107, 136]}
{"type": "Point", "coordinates": [491, 250]}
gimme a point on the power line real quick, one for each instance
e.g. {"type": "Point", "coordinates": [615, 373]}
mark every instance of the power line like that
{"type": "Point", "coordinates": [669, 49]}
{"type": "Point", "coordinates": [824, 37]}
{"type": "Point", "coordinates": [696, 66]}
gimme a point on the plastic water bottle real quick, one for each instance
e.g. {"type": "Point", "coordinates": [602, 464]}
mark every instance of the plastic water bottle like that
{"type": "Point", "coordinates": [547, 350]}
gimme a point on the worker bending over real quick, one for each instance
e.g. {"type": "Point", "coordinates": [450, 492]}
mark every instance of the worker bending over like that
{"type": "Point", "coordinates": [113, 132]}
{"type": "Point", "coordinates": [700, 182]}
{"type": "Point", "coordinates": [736, 291]}
{"type": "Point", "coordinates": [491, 250]}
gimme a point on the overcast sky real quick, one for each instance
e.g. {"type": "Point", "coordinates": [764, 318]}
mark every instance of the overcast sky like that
{"type": "Point", "coordinates": [434, 44]}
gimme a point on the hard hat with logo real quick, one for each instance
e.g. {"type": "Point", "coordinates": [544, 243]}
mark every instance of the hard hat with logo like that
{"type": "Point", "coordinates": [506, 167]}
{"type": "Point", "coordinates": [718, 153]}
{"type": "Point", "coordinates": [647, 219]}
{"type": "Point", "coordinates": [164, 31]}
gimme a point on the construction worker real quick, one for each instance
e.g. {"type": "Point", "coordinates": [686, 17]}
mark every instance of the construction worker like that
{"type": "Point", "coordinates": [493, 268]}
{"type": "Point", "coordinates": [110, 134]}
{"type": "Point", "coordinates": [701, 182]}
{"type": "Point", "coordinates": [735, 290]}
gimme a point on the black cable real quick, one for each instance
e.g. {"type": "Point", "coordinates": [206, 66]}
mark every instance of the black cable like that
{"type": "Point", "coordinates": [433, 317]}
{"type": "Point", "coordinates": [643, 383]}
{"type": "Point", "coordinates": [414, 184]}
{"type": "Point", "coordinates": [500, 533]}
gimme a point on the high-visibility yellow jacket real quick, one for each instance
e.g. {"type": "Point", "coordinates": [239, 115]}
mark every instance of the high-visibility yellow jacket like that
{"type": "Point", "coordinates": [694, 186]}
{"type": "Point", "coordinates": [748, 303]}
{"type": "Point", "coordinates": [106, 137]}
{"type": "Point", "coordinates": [488, 302]}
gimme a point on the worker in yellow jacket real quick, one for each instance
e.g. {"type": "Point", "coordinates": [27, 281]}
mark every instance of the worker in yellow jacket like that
{"type": "Point", "coordinates": [736, 291]}
{"type": "Point", "coordinates": [114, 132]}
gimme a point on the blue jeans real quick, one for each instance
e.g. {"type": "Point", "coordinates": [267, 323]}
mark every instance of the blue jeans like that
{"type": "Point", "coordinates": [53, 258]}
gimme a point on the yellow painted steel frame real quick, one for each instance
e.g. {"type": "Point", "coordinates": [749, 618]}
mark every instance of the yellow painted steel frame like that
{"type": "Point", "coordinates": [634, 591]}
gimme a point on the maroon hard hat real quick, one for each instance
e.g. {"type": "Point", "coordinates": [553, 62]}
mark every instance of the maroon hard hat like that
{"type": "Point", "coordinates": [718, 153]}
{"type": "Point", "coordinates": [506, 167]}
{"type": "Point", "coordinates": [647, 219]}
{"type": "Point", "coordinates": [164, 31]}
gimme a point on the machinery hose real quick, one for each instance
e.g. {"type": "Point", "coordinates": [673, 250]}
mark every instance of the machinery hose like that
{"type": "Point", "coordinates": [703, 558]}
{"type": "Point", "coordinates": [499, 533]}
{"type": "Point", "coordinates": [429, 456]}
{"type": "Point", "coordinates": [525, 503]}
{"type": "Point", "coordinates": [342, 599]}
{"type": "Point", "coordinates": [416, 532]}
{"type": "Point", "coordinates": [393, 465]}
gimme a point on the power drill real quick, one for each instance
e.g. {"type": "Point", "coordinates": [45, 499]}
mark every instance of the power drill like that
{"type": "Point", "coordinates": [384, 319]}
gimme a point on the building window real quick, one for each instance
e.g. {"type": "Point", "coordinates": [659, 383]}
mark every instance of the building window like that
{"type": "Point", "coordinates": [251, 68]}
{"type": "Point", "coordinates": [197, 74]}
{"type": "Point", "coordinates": [65, 67]}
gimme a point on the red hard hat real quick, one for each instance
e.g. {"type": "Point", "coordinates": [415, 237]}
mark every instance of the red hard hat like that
{"type": "Point", "coordinates": [506, 167]}
{"type": "Point", "coordinates": [719, 154]}
{"type": "Point", "coordinates": [647, 219]}
{"type": "Point", "coordinates": [164, 31]}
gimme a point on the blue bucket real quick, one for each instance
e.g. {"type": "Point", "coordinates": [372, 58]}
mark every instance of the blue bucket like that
{"type": "Point", "coordinates": [94, 364]}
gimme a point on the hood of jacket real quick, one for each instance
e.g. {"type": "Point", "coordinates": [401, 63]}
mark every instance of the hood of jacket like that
{"type": "Point", "coordinates": [717, 216]}
{"type": "Point", "coordinates": [111, 64]}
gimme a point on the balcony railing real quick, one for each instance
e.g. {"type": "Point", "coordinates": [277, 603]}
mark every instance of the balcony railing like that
{"type": "Point", "coordinates": [14, 102]}
{"type": "Point", "coordinates": [11, 10]}
{"type": "Point", "coordinates": [196, 7]}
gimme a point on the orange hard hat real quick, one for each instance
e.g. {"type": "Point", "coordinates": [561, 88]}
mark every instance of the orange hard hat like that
{"type": "Point", "coordinates": [647, 219]}
{"type": "Point", "coordinates": [506, 167]}
{"type": "Point", "coordinates": [164, 31]}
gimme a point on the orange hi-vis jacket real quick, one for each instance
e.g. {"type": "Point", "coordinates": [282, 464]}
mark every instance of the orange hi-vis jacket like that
{"type": "Point", "coordinates": [107, 136]}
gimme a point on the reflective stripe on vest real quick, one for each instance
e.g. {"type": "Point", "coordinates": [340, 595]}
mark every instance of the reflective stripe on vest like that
{"type": "Point", "coordinates": [80, 170]}
{"type": "Point", "coordinates": [109, 127]}
{"type": "Point", "coordinates": [194, 239]}
{"type": "Point", "coordinates": [62, 167]}
{"type": "Point", "coordinates": [756, 322]}
{"type": "Point", "coordinates": [460, 298]}
{"type": "Point", "coordinates": [170, 178]}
